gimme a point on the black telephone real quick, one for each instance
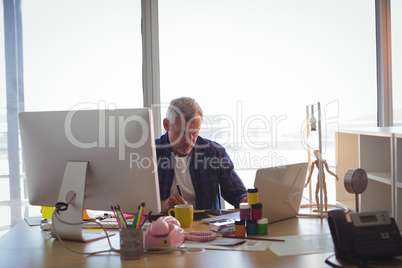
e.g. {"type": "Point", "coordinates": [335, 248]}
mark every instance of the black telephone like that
{"type": "Point", "coordinates": [370, 235]}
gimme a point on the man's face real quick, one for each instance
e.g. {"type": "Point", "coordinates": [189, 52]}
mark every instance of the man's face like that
{"type": "Point", "coordinates": [182, 135]}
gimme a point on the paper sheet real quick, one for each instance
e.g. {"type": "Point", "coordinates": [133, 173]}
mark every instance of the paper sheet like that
{"type": "Point", "coordinates": [33, 221]}
{"type": "Point", "coordinates": [93, 231]}
{"type": "Point", "coordinates": [249, 245]}
{"type": "Point", "coordinates": [303, 244]}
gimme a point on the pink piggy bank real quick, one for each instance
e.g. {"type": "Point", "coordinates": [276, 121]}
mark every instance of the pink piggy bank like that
{"type": "Point", "coordinates": [164, 232]}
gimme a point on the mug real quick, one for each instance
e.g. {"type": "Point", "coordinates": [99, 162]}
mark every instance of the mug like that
{"type": "Point", "coordinates": [183, 213]}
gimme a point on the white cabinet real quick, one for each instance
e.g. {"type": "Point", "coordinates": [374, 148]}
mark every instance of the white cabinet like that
{"type": "Point", "coordinates": [379, 152]}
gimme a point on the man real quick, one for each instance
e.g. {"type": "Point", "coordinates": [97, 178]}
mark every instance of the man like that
{"type": "Point", "coordinates": [199, 167]}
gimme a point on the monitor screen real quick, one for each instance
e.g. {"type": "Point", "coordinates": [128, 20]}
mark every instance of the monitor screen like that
{"type": "Point", "coordinates": [117, 145]}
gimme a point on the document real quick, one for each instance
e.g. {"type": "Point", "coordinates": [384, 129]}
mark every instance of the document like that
{"type": "Point", "coordinates": [303, 244]}
{"type": "Point", "coordinates": [230, 244]}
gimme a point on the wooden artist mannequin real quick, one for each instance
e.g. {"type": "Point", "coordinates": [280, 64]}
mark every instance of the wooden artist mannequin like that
{"type": "Point", "coordinates": [324, 185]}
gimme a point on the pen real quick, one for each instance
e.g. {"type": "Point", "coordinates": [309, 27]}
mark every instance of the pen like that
{"type": "Point", "coordinates": [252, 238]}
{"type": "Point", "coordinates": [146, 218]}
{"type": "Point", "coordinates": [178, 189]}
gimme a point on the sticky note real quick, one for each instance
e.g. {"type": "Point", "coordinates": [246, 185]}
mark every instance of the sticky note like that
{"type": "Point", "coordinates": [85, 215]}
{"type": "Point", "coordinates": [47, 212]}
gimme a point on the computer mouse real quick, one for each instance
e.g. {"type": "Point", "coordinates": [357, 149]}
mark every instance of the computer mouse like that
{"type": "Point", "coordinates": [45, 226]}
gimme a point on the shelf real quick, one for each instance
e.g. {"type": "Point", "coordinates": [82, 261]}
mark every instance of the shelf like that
{"type": "Point", "coordinates": [374, 131]}
{"type": "Point", "coordinates": [376, 158]}
{"type": "Point", "coordinates": [378, 196]}
{"type": "Point", "coordinates": [380, 176]}
{"type": "Point", "coordinates": [379, 152]}
{"type": "Point", "coordinates": [350, 204]}
{"type": "Point", "coordinates": [397, 131]}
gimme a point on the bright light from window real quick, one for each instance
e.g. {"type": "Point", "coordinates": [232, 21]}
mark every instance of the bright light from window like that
{"type": "Point", "coordinates": [254, 66]}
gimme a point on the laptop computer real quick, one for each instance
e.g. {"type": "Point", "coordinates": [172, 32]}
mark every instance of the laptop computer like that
{"type": "Point", "coordinates": [280, 190]}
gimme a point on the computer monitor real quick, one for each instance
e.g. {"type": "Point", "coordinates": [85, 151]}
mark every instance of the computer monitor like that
{"type": "Point", "coordinates": [97, 158]}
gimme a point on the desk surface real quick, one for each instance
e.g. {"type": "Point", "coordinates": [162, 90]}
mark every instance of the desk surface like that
{"type": "Point", "coordinates": [25, 246]}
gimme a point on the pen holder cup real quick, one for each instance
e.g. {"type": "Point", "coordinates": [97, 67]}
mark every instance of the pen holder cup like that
{"type": "Point", "coordinates": [131, 244]}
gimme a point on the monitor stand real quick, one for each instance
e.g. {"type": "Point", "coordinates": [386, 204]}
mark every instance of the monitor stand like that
{"type": "Point", "coordinates": [68, 225]}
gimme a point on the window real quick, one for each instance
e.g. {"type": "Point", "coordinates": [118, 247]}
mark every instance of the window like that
{"type": "Point", "coordinates": [254, 66]}
{"type": "Point", "coordinates": [90, 52]}
{"type": "Point", "coordinates": [396, 39]}
{"type": "Point", "coordinates": [77, 54]}
{"type": "Point", "coordinates": [4, 181]}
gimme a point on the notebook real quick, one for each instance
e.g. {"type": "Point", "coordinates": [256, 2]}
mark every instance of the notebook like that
{"type": "Point", "coordinates": [280, 190]}
{"type": "Point", "coordinates": [229, 216]}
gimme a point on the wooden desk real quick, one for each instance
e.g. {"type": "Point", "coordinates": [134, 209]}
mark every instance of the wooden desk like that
{"type": "Point", "coordinates": [25, 246]}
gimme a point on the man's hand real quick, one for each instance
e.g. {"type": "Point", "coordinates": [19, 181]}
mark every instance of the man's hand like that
{"type": "Point", "coordinates": [172, 201]}
{"type": "Point", "coordinates": [243, 200]}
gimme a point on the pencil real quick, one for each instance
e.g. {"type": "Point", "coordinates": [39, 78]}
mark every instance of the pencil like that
{"type": "Point", "coordinates": [146, 218]}
{"type": "Point", "coordinates": [252, 238]}
{"type": "Point", "coordinates": [115, 216]}
{"type": "Point", "coordinates": [141, 213]}
{"type": "Point", "coordinates": [124, 222]}
{"type": "Point", "coordinates": [178, 189]}
{"type": "Point", "coordinates": [136, 217]}
{"type": "Point", "coordinates": [123, 226]}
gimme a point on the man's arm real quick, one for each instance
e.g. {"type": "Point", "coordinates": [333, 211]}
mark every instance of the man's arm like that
{"type": "Point", "coordinates": [232, 187]}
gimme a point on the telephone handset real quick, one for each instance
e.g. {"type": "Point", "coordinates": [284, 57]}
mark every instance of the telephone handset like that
{"type": "Point", "coordinates": [369, 235]}
{"type": "Point", "coordinates": [164, 232]}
